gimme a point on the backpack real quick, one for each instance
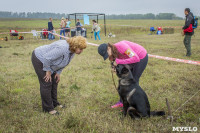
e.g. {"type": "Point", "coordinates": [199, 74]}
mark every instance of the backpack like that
{"type": "Point", "coordinates": [195, 23]}
{"type": "Point", "coordinates": [21, 38]}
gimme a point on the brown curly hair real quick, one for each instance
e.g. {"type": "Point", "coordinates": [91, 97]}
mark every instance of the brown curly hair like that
{"type": "Point", "coordinates": [115, 52]}
{"type": "Point", "coordinates": [77, 42]}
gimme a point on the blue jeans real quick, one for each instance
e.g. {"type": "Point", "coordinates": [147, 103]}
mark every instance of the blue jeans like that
{"type": "Point", "coordinates": [97, 34]}
{"type": "Point", "coordinates": [62, 31]}
{"type": "Point", "coordinates": [51, 37]}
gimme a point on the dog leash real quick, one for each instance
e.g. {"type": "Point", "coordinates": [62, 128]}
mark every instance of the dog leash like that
{"type": "Point", "coordinates": [113, 80]}
{"type": "Point", "coordinates": [112, 66]}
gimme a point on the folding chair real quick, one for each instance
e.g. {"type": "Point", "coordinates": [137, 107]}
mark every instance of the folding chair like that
{"type": "Point", "coordinates": [45, 33]}
{"type": "Point", "coordinates": [35, 34]}
{"type": "Point", "coordinates": [152, 30]}
{"type": "Point", "coordinates": [14, 34]}
{"type": "Point", "coordinates": [160, 31]}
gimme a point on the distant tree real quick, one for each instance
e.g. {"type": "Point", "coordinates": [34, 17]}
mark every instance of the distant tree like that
{"type": "Point", "coordinates": [170, 16]}
{"type": "Point", "coordinates": [46, 15]}
{"type": "Point", "coordinates": [149, 16]}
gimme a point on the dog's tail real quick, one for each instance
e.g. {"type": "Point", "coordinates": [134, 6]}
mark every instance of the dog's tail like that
{"type": "Point", "coordinates": [157, 113]}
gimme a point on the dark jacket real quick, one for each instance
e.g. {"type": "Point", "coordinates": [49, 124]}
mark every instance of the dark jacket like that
{"type": "Point", "coordinates": [50, 26]}
{"type": "Point", "coordinates": [188, 21]}
{"type": "Point", "coordinates": [78, 26]}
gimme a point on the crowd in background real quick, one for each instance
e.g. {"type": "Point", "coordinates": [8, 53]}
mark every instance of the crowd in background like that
{"type": "Point", "coordinates": [65, 28]}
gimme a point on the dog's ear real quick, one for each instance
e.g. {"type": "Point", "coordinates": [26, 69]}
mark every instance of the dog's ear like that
{"type": "Point", "coordinates": [127, 66]}
{"type": "Point", "coordinates": [119, 68]}
{"type": "Point", "coordinates": [122, 69]}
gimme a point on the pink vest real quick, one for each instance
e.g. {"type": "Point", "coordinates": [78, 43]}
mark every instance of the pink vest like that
{"type": "Point", "coordinates": [130, 52]}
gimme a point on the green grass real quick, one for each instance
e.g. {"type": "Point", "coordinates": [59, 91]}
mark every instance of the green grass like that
{"type": "Point", "coordinates": [86, 85]}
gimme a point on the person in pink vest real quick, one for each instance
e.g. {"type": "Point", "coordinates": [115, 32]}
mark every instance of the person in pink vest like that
{"type": "Point", "coordinates": [126, 52]}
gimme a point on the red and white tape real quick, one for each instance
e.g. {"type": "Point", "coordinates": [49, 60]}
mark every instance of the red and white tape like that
{"type": "Point", "coordinates": [175, 59]}
{"type": "Point", "coordinates": [38, 31]}
{"type": "Point", "coordinates": [166, 58]}
{"type": "Point", "coordinates": [150, 55]}
{"type": "Point", "coordinates": [22, 32]}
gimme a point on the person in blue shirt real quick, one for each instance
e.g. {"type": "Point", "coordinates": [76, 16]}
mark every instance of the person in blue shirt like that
{"type": "Point", "coordinates": [67, 30]}
{"type": "Point", "coordinates": [50, 28]}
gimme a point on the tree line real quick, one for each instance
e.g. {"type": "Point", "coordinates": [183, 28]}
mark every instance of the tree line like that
{"type": "Point", "coordinates": [45, 15]}
{"type": "Point", "coordinates": [169, 16]}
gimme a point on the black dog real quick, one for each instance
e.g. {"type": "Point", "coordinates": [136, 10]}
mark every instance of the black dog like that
{"type": "Point", "coordinates": [135, 100]}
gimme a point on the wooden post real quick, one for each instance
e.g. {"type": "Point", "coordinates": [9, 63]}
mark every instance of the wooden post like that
{"type": "Point", "coordinates": [169, 111]}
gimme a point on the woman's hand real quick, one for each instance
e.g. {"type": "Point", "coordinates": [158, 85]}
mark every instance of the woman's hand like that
{"type": "Point", "coordinates": [113, 70]}
{"type": "Point", "coordinates": [114, 63]}
{"type": "Point", "coordinates": [57, 77]}
{"type": "Point", "coordinates": [47, 78]}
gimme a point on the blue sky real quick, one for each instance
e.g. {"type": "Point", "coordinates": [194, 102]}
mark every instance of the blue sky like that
{"type": "Point", "coordinates": [103, 6]}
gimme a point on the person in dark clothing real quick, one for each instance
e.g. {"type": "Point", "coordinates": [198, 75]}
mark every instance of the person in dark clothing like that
{"type": "Point", "coordinates": [188, 31]}
{"type": "Point", "coordinates": [78, 27]}
{"type": "Point", "coordinates": [50, 28]}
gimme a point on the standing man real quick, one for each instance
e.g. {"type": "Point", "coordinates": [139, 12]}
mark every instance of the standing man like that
{"type": "Point", "coordinates": [78, 27]}
{"type": "Point", "coordinates": [188, 31]}
{"type": "Point", "coordinates": [50, 28]}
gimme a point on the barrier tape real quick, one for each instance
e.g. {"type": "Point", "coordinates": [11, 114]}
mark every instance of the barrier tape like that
{"type": "Point", "coordinates": [166, 58]}
{"type": "Point", "coordinates": [175, 59]}
{"type": "Point", "coordinates": [180, 27]}
{"type": "Point", "coordinates": [39, 31]}
{"type": "Point", "coordinates": [150, 55]}
{"type": "Point", "coordinates": [21, 32]}
{"type": "Point", "coordinates": [176, 27]}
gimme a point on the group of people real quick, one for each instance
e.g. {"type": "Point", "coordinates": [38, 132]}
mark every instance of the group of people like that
{"type": "Point", "coordinates": [65, 28]}
{"type": "Point", "coordinates": [64, 25]}
{"type": "Point", "coordinates": [49, 60]}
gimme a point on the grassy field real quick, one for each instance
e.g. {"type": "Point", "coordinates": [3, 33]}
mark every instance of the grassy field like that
{"type": "Point", "coordinates": [86, 85]}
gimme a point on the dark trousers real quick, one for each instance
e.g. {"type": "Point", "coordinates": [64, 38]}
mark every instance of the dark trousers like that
{"type": "Point", "coordinates": [138, 68]}
{"type": "Point", "coordinates": [187, 43]}
{"type": "Point", "coordinates": [48, 90]}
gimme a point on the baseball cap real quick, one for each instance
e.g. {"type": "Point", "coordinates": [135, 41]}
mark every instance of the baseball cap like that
{"type": "Point", "coordinates": [102, 50]}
